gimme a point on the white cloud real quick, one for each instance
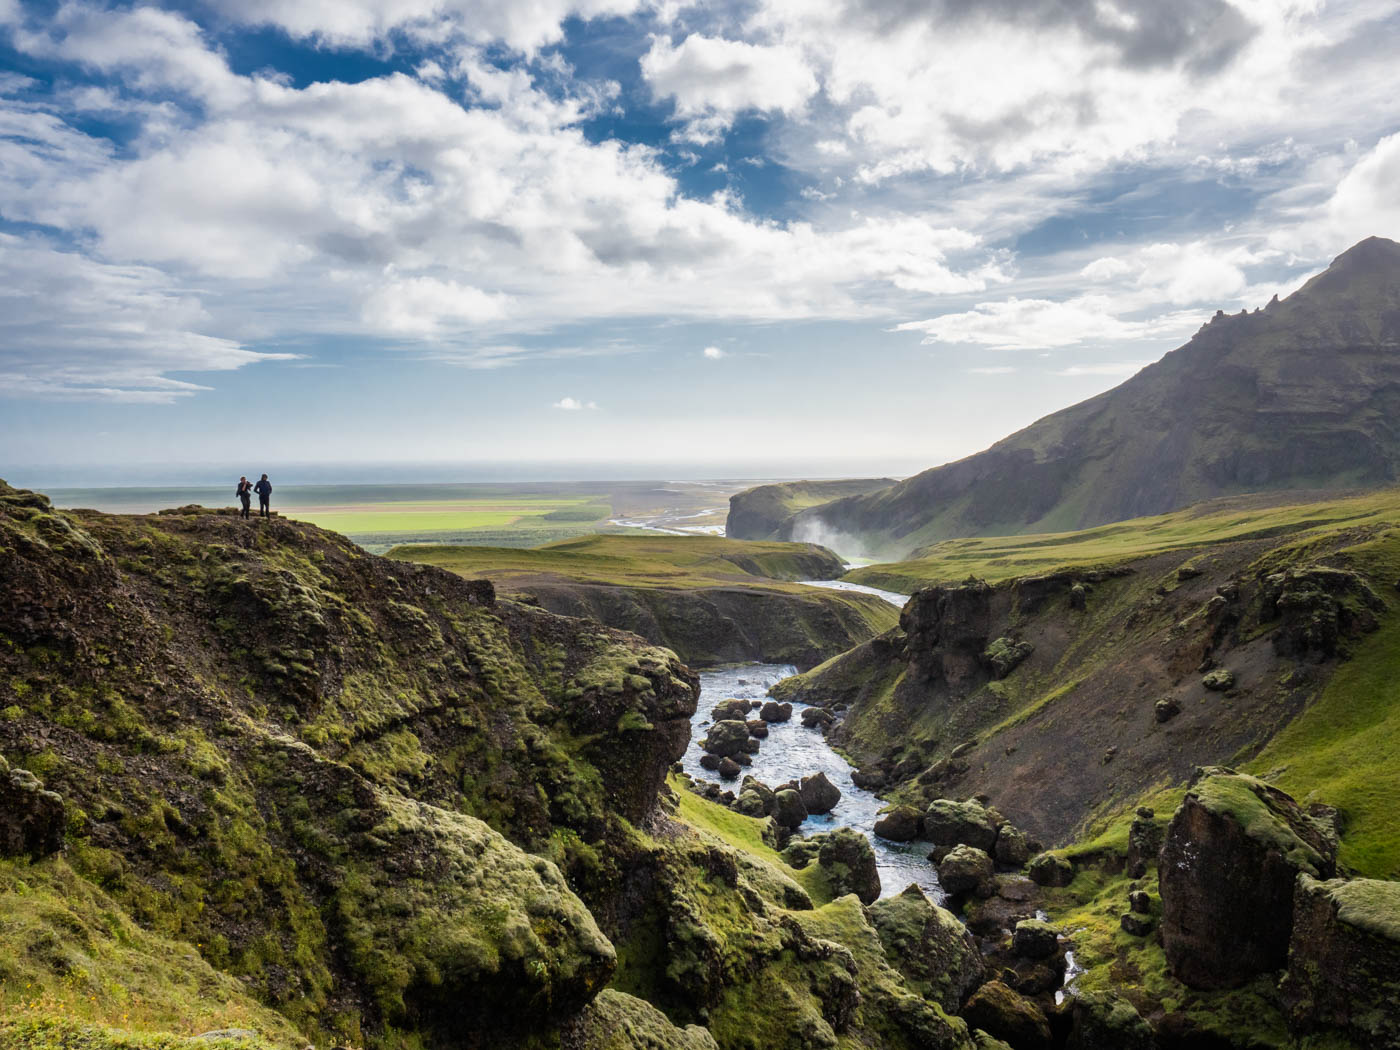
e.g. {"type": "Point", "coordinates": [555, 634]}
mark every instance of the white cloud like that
{"type": "Point", "coordinates": [78, 329]}
{"type": "Point", "coordinates": [712, 353]}
{"type": "Point", "coordinates": [571, 404]}
{"type": "Point", "coordinates": [1040, 324]}
{"type": "Point", "coordinates": [1367, 200]}
{"type": "Point", "coordinates": [712, 80]}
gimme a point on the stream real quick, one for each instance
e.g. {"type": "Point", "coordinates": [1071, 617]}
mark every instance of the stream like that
{"type": "Point", "coordinates": [893, 597]}
{"type": "Point", "coordinates": [791, 752]}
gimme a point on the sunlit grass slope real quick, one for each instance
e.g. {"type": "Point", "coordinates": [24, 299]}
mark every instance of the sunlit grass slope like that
{"type": "Point", "coordinates": [637, 560]}
{"type": "Point", "coordinates": [1231, 520]}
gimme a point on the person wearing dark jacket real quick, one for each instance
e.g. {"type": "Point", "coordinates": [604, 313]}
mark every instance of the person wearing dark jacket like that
{"type": "Point", "coordinates": [244, 492]}
{"type": "Point", "coordinates": [264, 490]}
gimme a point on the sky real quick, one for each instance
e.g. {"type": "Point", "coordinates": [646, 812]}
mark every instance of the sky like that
{"type": "Point", "coordinates": [856, 236]}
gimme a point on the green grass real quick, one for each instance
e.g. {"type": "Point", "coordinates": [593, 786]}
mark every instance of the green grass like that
{"type": "Point", "coordinates": [1344, 749]}
{"type": "Point", "coordinates": [635, 560]}
{"type": "Point", "coordinates": [746, 835]}
{"type": "Point", "coordinates": [457, 515]}
{"type": "Point", "coordinates": [994, 558]}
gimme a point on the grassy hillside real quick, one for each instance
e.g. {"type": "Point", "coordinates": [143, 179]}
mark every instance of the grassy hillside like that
{"type": "Point", "coordinates": [1298, 601]}
{"type": "Point", "coordinates": [254, 779]}
{"type": "Point", "coordinates": [712, 600]}
{"type": "Point", "coordinates": [1299, 394]}
{"type": "Point", "coordinates": [1222, 521]}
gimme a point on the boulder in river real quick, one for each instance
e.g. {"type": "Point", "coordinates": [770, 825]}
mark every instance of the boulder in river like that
{"type": "Point", "coordinates": [772, 711]}
{"type": "Point", "coordinates": [901, 824]}
{"type": "Point", "coordinates": [726, 738]}
{"type": "Point", "coordinates": [729, 769]}
{"type": "Point", "coordinates": [730, 710]}
{"type": "Point", "coordinates": [758, 728]}
{"type": "Point", "coordinates": [964, 869]}
{"type": "Point", "coordinates": [819, 795]}
{"type": "Point", "coordinates": [849, 862]}
{"type": "Point", "coordinates": [1344, 960]}
{"type": "Point", "coordinates": [813, 717]}
{"type": "Point", "coordinates": [951, 823]}
{"type": "Point", "coordinates": [1233, 853]}
{"type": "Point", "coordinates": [929, 946]}
{"type": "Point", "coordinates": [710, 762]}
{"type": "Point", "coordinates": [789, 811]}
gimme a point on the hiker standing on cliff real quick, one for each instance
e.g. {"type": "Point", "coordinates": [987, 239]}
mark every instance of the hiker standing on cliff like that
{"type": "Point", "coordinates": [264, 490]}
{"type": "Point", "coordinates": [244, 492]}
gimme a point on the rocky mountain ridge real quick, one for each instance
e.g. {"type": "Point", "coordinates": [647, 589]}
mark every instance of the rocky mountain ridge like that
{"type": "Point", "coordinates": [1302, 393]}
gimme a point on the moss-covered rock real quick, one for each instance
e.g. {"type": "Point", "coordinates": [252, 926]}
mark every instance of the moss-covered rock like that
{"type": "Point", "coordinates": [950, 823]}
{"type": "Point", "coordinates": [617, 1021]}
{"type": "Point", "coordinates": [1004, 655]}
{"type": "Point", "coordinates": [31, 819]}
{"type": "Point", "coordinates": [1344, 960]}
{"type": "Point", "coordinates": [726, 738]}
{"type": "Point", "coordinates": [1105, 1021]}
{"type": "Point", "coordinates": [1005, 1014]}
{"type": "Point", "coordinates": [901, 824]}
{"type": "Point", "coordinates": [1232, 855]}
{"type": "Point", "coordinates": [964, 869]}
{"type": "Point", "coordinates": [929, 946]}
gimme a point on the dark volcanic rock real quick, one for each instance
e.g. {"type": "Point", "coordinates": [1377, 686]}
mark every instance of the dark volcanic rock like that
{"type": "Point", "coordinates": [849, 862]}
{"type": "Point", "coordinates": [1013, 849]}
{"type": "Point", "coordinates": [726, 738]}
{"type": "Point", "coordinates": [950, 823]}
{"type": "Point", "coordinates": [730, 710]}
{"type": "Point", "coordinates": [1050, 869]}
{"type": "Point", "coordinates": [758, 728]}
{"type": "Point", "coordinates": [31, 819]}
{"type": "Point", "coordinates": [964, 869]}
{"type": "Point", "coordinates": [1344, 960]}
{"type": "Point", "coordinates": [929, 946]}
{"type": "Point", "coordinates": [1232, 855]}
{"type": "Point", "coordinates": [772, 711]}
{"type": "Point", "coordinates": [947, 630]}
{"type": "Point", "coordinates": [1002, 1012]}
{"type": "Point", "coordinates": [1033, 939]}
{"type": "Point", "coordinates": [812, 717]}
{"type": "Point", "coordinates": [1104, 1021]}
{"type": "Point", "coordinates": [789, 811]}
{"type": "Point", "coordinates": [1137, 925]}
{"type": "Point", "coordinates": [1166, 709]}
{"type": "Point", "coordinates": [901, 824]}
{"type": "Point", "coordinates": [1005, 654]}
{"type": "Point", "coordinates": [819, 795]}
{"type": "Point", "coordinates": [729, 769]}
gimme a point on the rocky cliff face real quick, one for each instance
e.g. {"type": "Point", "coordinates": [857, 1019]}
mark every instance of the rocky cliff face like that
{"type": "Point", "coordinates": [760, 513]}
{"type": "Point", "coordinates": [280, 749]}
{"type": "Point", "coordinates": [1301, 394]}
{"type": "Point", "coordinates": [1061, 694]}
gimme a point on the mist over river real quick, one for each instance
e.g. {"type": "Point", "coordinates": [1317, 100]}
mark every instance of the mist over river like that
{"type": "Point", "coordinates": [792, 751]}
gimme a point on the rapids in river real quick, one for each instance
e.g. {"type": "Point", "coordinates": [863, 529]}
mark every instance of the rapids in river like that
{"type": "Point", "coordinates": [792, 751]}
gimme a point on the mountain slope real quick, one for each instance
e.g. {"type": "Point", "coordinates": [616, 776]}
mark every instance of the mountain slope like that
{"type": "Point", "coordinates": [1304, 393]}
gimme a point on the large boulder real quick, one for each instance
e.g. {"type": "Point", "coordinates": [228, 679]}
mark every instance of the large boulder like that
{"type": "Point", "coordinates": [1050, 869]}
{"type": "Point", "coordinates": [951, 823]}
{"type": "Point", "coordinates": [789, 811]}
{"type": "Point", "coordinates": [772, 711]}
{"type": "Point", "coordinates": [1232, 855]}
{"type": "Point", "coordinates": [1004, 654]}
{"type": "Point", "coordinates": [848, 860]}
{"type": "Point", "coordinates": [1034, 939]}
{"type": "Point", "coordinates": [730, 711]}
{"type": "Point", "coordinates": [726, 738]}
{"type": "Point", "coordinates": [1344, 960]}
{"type": "Point", "coordinates": [1013, 849]}
{"type": "Point", "coordinates": [901, 824]}
{"type": "Point", "coordinates": [31, 819]}
{"type": "Point", "coordinates": [1000, 1011]}
{"type": "Point", "coordinates": [1105, 1021]}
{"type": "Point", "coordinates": [617, 1021]}
{"type": "Point", "coordinates": [929, 946]}
{"type": "Point", "coordinates": [964, 869]}
{"type": "Point", "coordinates": [819, 795]}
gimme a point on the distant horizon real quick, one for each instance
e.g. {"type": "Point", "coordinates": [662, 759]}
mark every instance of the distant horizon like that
{"type": "Point", "coordinates": [151, 476]}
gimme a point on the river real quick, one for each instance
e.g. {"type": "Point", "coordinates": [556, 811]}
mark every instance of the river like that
{"type": "Point", "coordinates": [791, 752]}
{"type": "Point", "coordinates": [893, 597]}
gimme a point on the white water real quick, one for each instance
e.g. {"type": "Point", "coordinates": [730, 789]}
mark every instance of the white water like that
{"type": "Point", "coordinates": [893, 597]}
{"type": "Point", "coordinates": [790, 752]}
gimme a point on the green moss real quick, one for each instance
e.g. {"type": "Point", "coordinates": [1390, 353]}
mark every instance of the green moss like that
{"type": "Point", "coordinates": [1242, 798]}
{"type": "Point", "coordinates": [1367, 904]}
